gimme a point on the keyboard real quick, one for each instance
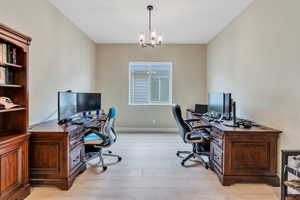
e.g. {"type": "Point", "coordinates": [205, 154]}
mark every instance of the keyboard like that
{"type": "Point", "coordinates": [207, 118]}
{"type": "Point", "coordinates": [81, 121]}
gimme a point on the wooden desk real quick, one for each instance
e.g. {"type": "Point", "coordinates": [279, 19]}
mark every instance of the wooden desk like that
{"type": "Point", "coordinates": [243, 155]}
{"type": "Point", "coordinates": [57, 153]}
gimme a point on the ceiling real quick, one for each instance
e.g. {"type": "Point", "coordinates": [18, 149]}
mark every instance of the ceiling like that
{"type": "Point", "coordinates": [178, 21]}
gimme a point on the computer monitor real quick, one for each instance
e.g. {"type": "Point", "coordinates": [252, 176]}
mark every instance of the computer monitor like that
{"type": "Point", "coordinates": [87, 102]}
{"type": "Point", "coordinates": [67, 105]}
{"type": "Point", "coordinates": [216, 103]}
{"type": "Point", "coordinates": [200, 108]}
{"type": "Point", "coordinates": [220, 105]}
{"type": "Point", "coordinates": [227, 106]}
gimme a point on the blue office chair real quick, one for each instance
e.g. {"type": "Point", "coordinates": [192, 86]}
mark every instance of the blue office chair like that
{"type": "Point", "coordinates": [98, 139]}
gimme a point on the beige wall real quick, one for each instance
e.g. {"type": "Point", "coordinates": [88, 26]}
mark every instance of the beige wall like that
{"type": "Point", "coordinates": [189, 81]}
{"type": "Point", "coordinates": [257, 58]}
{"type": "Point", "coordinates": [61, 56]}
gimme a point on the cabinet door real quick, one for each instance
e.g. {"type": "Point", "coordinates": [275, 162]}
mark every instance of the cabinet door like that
{"type": "Point", "coordinates": [48, 157]}
{"type": "Point", "coordinates": [251, 155]}
{"type": "Point", "coordinates": [13, 168]}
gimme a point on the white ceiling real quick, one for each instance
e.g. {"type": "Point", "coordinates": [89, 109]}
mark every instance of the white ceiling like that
{"type": "Point", "coordinates": [179, 21]}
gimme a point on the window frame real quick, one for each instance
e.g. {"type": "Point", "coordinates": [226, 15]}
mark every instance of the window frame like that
{"type": "Point", "coordinates": [149, 96]}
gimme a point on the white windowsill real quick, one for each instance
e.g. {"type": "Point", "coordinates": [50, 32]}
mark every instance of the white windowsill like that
{"type": "Point", "coordinates": [160, 104]}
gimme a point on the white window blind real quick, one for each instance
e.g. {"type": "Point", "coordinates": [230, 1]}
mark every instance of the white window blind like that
{"type": "Point", "coordinates": [150, 83]}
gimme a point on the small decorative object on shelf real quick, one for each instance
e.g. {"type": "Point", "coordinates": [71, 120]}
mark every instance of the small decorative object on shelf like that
{"type": "Point", "coordinates": [7, 103]}
{"type": "Point", "coordinates": [290, 175]}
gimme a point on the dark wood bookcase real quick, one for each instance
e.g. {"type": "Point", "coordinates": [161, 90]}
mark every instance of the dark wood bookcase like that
{"type": "Point", "coordinates": [14, 172]}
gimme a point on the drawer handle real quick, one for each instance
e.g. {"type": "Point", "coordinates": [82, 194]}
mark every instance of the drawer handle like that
{"type": "Point", "coordinates": [76, 159]}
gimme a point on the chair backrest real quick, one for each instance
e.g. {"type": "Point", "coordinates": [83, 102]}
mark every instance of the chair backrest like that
{"type": "Point", "coordinates": [109, 127]}
{"type": "Point", "coordinates": [184, 127]}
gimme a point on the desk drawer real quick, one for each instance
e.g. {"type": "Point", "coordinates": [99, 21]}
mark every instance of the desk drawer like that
{"type": "Point", "coordinates": [218, 141]}
{"type": "Point", "coordinates": [217, 137]}
{"type": "Point", "coordinates": [78, 132]}
{"type": "Point", "coordinates": [216, 132]}
{"type": "Point", "coordinates": [216, 155]}
{"type": "Point", "coordinates": [76, 157]}
{"type": "Point", "coordinates": [75, 142]}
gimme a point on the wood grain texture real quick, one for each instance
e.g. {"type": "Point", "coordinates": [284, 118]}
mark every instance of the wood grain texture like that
{"type": "Point", "coordinates": [151, 170]}
{"type": "Point", "coordinates": [14, 167]}
{"type": "Point", "coordinates": [243, 155]}
{"type": "Point", "coordinates": [14, 179]}
{"type": "Point", "coordinates": [56, 154]}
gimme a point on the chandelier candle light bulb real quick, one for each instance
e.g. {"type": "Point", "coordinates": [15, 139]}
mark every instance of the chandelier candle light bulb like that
{"type": "Point", "coordinates": [141, 38]}
{"type": "Point", "coordinates": [153, 39]}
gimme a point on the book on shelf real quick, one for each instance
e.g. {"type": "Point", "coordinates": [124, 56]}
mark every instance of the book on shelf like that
{"type": "Point", "coordinates": [8, 53]}
{"type": "Point", "coordinates": [2, 75]}
{"type": "Point", "coordinates": [14, 56]}
{"type": "Point", "coordinates": [9, 76]}
{"type": "Point", "coordinates": [4, 53]}
{"type": "Point", "coordinates": [1, 53]}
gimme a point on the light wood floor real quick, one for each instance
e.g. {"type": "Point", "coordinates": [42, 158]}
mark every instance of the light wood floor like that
{"type": "Point", "coordinates": [150, 170]}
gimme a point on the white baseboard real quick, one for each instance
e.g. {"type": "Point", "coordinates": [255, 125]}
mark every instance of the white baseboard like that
{"type": "Point", "coordinates": [146, 130]}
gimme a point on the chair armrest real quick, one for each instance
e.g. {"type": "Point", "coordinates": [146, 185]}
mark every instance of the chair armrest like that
{"type": "Point", "coordinates": [97, 128]}
{"type": "Point", "coordinates": [192, 120]}
{"type": "Point", "coordinates": [201, 126]}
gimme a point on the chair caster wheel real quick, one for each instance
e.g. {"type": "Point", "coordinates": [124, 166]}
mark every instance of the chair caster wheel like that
{"type": "Point", "coordinates": [182, 164]}
{"type": "Point", "coordinates": [109, 151]}
{"type": "Point", "coordinates": [206, 166]}
{"type": "Point", "coordinates": [177, 154]}
{"type": "Point", "coordinates": [119, 159]}
{"type": "Point", "coordinates": [104, 168]}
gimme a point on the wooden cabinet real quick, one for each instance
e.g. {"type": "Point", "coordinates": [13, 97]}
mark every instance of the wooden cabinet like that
{"type": "Point", "coordinates": [14, 183]}
{"type": "Point", "coordinates": [243, 155]}
{"type": "Point", "coordinates": [56, 154]}
{"type": "Point", "coordinates": [14, 167]}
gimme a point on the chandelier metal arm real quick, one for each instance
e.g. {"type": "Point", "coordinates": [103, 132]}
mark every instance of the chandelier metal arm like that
{"type": "Point", "coordinates": [152, 35]}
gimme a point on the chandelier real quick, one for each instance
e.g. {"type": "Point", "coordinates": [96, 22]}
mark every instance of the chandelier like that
{"type": "Point", "coordinates": [153, 40]}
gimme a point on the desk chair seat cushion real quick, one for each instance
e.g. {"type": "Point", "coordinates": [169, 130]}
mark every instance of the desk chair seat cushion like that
{"type": "Point", "coordinates": [96, 139]}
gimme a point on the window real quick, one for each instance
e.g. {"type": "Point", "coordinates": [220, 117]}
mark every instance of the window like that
{"type": "Point", "coordinates": [150, 83]}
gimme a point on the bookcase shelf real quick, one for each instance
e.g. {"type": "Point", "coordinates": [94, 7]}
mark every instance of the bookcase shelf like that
{"type": "Point", "coordinates": [11, 65]}
{"type": "Point", "coordinates": [11, 86]}
{"type": "Point", "coordinates": [11, 136]}
{"type": "Point", "coordinates": [12, 110]}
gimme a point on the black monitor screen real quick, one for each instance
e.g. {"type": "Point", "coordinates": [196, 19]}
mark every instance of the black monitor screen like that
{"type": "Point", "coordinates": [66, 105]}
{"type": "Point", "coordinates": [216, 102]}
{"type": "Point", "coordinates": [227, 106]}
{"type": "Point", "coordinates": [88, 102]}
